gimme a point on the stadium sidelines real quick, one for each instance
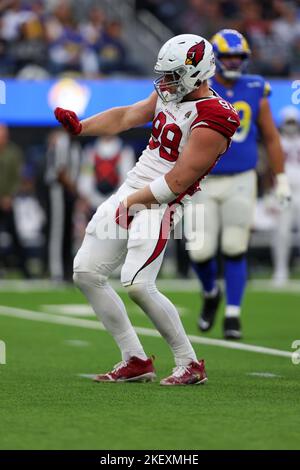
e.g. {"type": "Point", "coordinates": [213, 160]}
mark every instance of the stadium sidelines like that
{"type": "Point", "coordinates": [174, 285]}
{"type": "Point", "coordinates": [96, 325]}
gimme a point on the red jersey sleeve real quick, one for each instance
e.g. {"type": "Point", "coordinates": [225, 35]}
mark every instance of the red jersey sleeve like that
{"type": "Point", "coordinates": [217, 114]}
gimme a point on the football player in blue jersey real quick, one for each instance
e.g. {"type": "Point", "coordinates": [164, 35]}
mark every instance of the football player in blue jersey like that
{"type": "Point", "coordinates": [229, 192]}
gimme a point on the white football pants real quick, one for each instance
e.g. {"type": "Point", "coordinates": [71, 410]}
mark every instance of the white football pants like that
{"type": "Point", "coordinates": [229, 203]}
{"type": "Point", "coordinates": [140, 249]}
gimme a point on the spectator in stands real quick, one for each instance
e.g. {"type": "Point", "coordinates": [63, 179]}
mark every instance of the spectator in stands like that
{"type": "Point", "coordinates": [11, 160]}
{"type": "Point", "coordinates": [22, 33]}
{"type": "Point", "coordinates": [66, 44]}
{"type": "Point", "coordinates": [272, 56]}
{"type": "Point", "coordinates": [13, 16]}
{"type": "Point", "coordinates": [287, 27]}
{"type": "Point", "coordinates": [44, 33]}
{"type": "Point", "coordinates": [6, 61]}
{"type": "Point", "coordinates": [92, 29]}
{"type": "Point", "coordinates": [202, 16]}
{"type": "Point", "coordinates": [112, 53]}
{"type": "Point", "coordinates": [30, 48]}
{"type": "Point", "coordinates": [295, 57]}
{"type": "Point", "coordinates": [230, 9]}
{"type": "Point", "coordinates": [271, 26]}
{"type": "Point", "coordinates": [252, 20]}
{"type": "Point", "coordinates": [169, 12]}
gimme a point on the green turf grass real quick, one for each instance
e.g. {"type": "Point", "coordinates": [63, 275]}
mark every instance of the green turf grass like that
{"type": "Point", "coordinates": [46, 405]}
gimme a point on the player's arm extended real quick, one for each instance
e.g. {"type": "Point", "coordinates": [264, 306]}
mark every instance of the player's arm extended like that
{"type": "Point", "coordinates": [270, 136]}
{"type": "Point", "coordinates": [200, 153]}
{"type": "Point", "coordinates": [110, 122]}
{"type": "Point", "coordinates": [275, 153]}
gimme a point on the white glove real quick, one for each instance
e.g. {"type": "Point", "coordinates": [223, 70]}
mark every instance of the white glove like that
{"type": "Point", "coordinates": [283, 191]}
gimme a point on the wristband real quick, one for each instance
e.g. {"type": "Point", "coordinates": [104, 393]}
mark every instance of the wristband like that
{"type": "Point", "coordinates": [161, 191]}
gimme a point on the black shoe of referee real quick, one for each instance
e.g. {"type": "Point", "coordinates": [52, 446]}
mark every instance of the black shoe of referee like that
{"type": "Point", "coordinates": [232, 328]}
{"type": "Point", "coordinates": [209, 310]}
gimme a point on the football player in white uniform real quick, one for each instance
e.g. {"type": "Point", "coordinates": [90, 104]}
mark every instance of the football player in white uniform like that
{"type": "Point", "coordinates": [290, 141]}
{"type": "Point", "coordinates": [192, 127]}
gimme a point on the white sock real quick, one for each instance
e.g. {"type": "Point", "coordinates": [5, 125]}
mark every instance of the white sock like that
{"type": "Point", "coordinates": [232, 311]}
{"type": "Point", "coordinates": [111, 311]}
{"type": "Point", "coordinates": [166, 319]}
{"type": "Point", "coordinates": [128, 345]}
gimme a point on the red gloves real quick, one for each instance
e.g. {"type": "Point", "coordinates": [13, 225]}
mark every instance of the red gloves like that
{"type": "Point", "coordinates": [69, 120]}
{"type": "Point", "coordinates": [122, 216]}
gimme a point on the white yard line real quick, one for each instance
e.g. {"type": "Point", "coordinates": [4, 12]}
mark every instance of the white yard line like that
{"type": "Point", "coordinates": [16, 285]}
{"type": "Point", "coordinates": [86, 376]}
{"type": "Point", "coordinates": [265, 375]}
{"type": "Point", "coordinates": [77, 343]}
{"type": "Point", "coordinates": [84, 310]}
{"type": "Point", "coordinates": [74, 310]}
{"type": "Point", "coordinates": [262, 285]}
{"type": "Point", "coordinates": [95, 325]}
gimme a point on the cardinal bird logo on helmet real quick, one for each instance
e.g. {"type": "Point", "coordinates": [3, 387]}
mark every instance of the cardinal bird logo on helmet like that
{"type": "Point", "coordinates": [195, 54]}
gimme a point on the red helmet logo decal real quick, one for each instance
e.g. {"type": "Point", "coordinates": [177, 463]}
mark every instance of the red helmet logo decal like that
{"type": "Point", "coordinates": [195, 54]}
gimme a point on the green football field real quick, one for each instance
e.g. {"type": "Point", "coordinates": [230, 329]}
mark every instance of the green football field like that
{"type": "Point", "coordinates": [53, 345]}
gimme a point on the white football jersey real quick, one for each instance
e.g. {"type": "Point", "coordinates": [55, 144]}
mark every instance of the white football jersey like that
{"type": "Point", "coordinates": [291, 149]}
{"type": "Point", "coordinates": [171, 128]}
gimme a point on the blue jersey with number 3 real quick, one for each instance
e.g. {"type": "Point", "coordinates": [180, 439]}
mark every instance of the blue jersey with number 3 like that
{"type": "Point", "coordinates": [245, 94]}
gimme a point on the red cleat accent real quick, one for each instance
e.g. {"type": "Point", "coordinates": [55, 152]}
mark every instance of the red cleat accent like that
{"type": "Point", "coordinates": [133, 370]}
{"type": "Point", "coordinates": [193, 374]}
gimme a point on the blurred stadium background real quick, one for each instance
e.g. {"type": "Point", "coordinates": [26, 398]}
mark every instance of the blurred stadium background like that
{"type": "Point", "coordinates": [88, 55]}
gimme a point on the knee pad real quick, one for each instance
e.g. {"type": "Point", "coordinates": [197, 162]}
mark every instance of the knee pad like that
{"type": "Point", "coordinates": [234, 241]}
{"type": "Point", "coordinates": [205, 252]}
{"type": "Point", "coordinates": [81, 263]}
{"type": "Point", "coordinates": [203, 234]}
{"type": "Point", "coordinates": [137, 292]}
{"type": "Point", "coordinates": [89, 279]}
